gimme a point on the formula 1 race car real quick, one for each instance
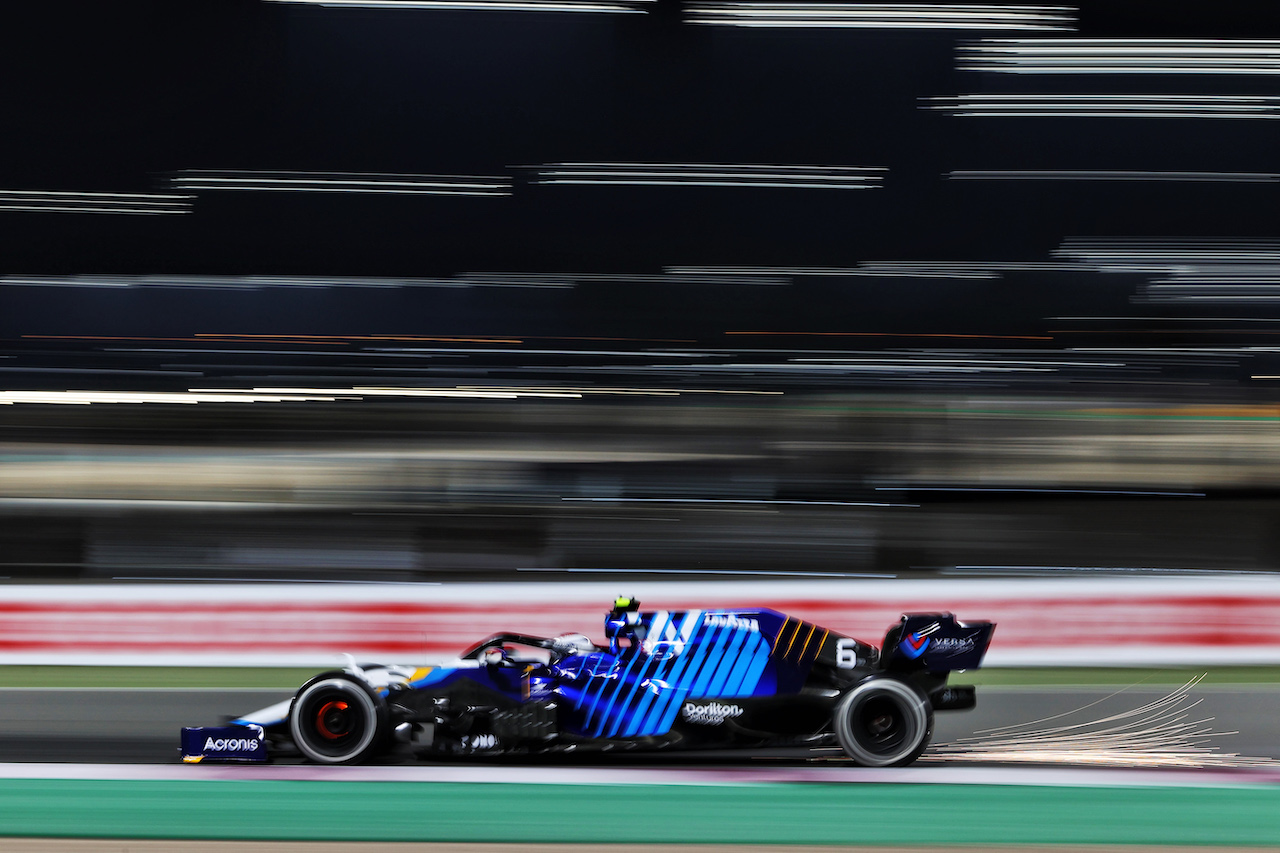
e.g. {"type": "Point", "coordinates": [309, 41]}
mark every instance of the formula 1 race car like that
{"type": "Point", "coordinates": [696, 679]}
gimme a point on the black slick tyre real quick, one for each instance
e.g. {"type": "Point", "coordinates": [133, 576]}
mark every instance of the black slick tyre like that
{"type": "Point", "coordinates": [883, 722]}
{"type": "Point", "coordinates": [336, 718]}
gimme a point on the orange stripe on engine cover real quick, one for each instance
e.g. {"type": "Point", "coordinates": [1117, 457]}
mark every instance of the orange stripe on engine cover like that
{"type": "Point", "coordinates": [807, 641]}
{"type": "Point", "coordinates": [821, 643]}
{"type": "Point", "coordinates": [800, 656]}
{"type": "Point", "coordinates": [778, 639]}
{"type": "Point", "coordinates": [799, 625]}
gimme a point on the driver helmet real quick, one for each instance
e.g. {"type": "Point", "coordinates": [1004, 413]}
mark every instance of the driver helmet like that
{"type": "Point", "coordinates": [623, 621]}
{"type": "Point", "coordinates": [625, 603]}
{"type": "Point", "coordinates": [494, 656]}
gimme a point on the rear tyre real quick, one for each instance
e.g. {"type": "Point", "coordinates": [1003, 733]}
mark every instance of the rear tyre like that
{"type": "Point", "coordinates": [883, 722]}
{"type": "Point", "coordinates": [338, 719]}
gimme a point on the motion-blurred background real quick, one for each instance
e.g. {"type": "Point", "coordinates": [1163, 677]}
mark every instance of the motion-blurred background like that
{"type": "Point", "coordinates": [560, 291]}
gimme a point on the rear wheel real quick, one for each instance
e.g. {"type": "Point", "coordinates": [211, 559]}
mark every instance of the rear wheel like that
{"type": "Point", "coordinates": [883, 722]}
{"type": "Point", "coordinates": [337, 719]}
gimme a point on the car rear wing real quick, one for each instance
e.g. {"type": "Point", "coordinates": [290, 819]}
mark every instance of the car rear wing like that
{"type": "Point", "coordinates": [935, 642]}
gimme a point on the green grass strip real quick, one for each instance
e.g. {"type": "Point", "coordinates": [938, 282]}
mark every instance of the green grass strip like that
{"type": "Point", "coordinates": [735, 814]}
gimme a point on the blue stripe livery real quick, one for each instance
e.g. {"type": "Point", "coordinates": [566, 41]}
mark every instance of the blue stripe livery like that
{"type": "Point", "coordinates": [672, 657]}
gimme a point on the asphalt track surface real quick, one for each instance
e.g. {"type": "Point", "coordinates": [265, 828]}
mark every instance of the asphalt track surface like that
{"type": "Point", "coordinates": [141, 726]}
{"type": "Point", "coordinates": [110, 757]}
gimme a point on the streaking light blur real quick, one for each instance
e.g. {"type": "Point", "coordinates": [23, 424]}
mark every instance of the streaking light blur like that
{"type": "Point", "coordinates": [58, 201]}
{"type": "Point", "coordinates": [193, 180]}
{"type": "Point", "coordinates": [1109, 106]}
{"type": "Point", "coordinates": [1121, 56]}
{"type": "Point", "coordinates": [713, 175]}
{"type": "Point", "coordinates": [633, 6]}
{"type": "Point", "coordinates": [949, 16]}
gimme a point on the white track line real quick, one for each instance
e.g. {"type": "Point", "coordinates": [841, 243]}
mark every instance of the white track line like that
{"type": "Point", "coordinates": [1037, 776]}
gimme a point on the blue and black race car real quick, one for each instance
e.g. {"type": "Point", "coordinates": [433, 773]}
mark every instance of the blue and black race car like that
{"type": "Point", "coordinates": [695, 679]}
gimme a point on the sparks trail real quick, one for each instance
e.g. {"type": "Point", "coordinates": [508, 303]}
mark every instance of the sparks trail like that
{"type": "Point", "coordinates": [1157, 734]}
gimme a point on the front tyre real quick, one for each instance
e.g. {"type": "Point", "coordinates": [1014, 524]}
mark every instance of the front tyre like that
{"type": "Point", "coordinates": [883, 722]}
{"type": "Point", "coordinates": [337, 719]}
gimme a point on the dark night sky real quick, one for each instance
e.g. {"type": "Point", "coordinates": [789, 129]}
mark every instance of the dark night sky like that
{"type": "Point", "coordinates": [118, 97]}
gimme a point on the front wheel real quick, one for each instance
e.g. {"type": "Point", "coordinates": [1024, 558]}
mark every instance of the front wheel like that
{"type": "Point", "coordinates": [883, 722]}
{"type": "Point", "coordinates": [337, 719]}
